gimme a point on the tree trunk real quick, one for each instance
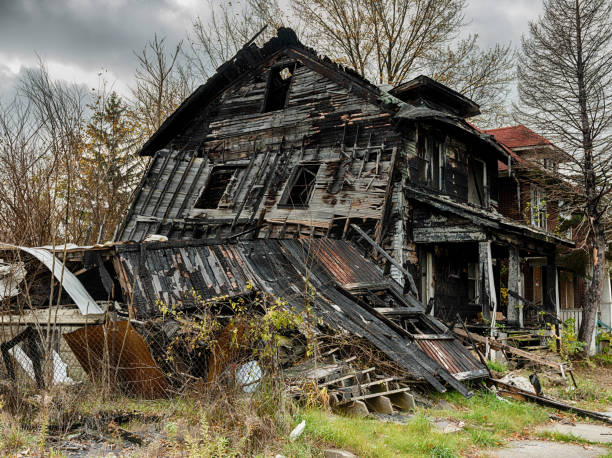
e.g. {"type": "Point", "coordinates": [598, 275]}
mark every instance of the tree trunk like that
{"type": "Point", "coordinates": [593, 293]}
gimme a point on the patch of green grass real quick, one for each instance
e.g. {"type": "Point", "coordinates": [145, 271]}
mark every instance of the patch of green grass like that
{"type": "Point", "coordinates": [603, 359]}
{"type": "Point", "coordinates": [497, 366]}
{"type": "Point", "coordinates": [373, 438]}
{"type": "Point", "coordinates": [14, 438]}
{"type": "Point", "coordinates": [483, 438]}
{"type": "Point", "coordinates": [568, 438]}
{"type": "Point", "coordinates": [486, 411]}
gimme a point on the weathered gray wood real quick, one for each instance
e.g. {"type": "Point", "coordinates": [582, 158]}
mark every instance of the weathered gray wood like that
{"type": "Point", "coordinates": [515, 313]}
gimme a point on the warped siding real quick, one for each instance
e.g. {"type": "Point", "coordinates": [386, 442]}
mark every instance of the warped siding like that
{"type": "Point", "coordinates": [354, 141]}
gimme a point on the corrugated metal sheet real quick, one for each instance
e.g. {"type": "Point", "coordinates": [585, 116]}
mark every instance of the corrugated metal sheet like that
{"type": "Point", "coordinates": [117, 350]}
{"type": "Point", "coordinates": [71, 284]}
{"type": "Point", "coordinates": [171, 270]}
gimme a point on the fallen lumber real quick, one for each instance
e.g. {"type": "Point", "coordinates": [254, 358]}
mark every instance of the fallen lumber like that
{"type": "Point", "coordinates": [517, 393]}
{"type": "Point", "coordinates": [497, 345]}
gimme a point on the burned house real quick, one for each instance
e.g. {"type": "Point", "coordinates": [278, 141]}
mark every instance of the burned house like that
{"type": "Point", "coordinates": [281, 143]}
{"type": "Point", "coordinates": [527, 198]}
{"type": "Point", "coordinates": [288, 170]}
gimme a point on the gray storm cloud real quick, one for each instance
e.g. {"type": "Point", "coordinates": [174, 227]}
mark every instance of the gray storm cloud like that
{"type": "Point", "coordinates": [90, 35]}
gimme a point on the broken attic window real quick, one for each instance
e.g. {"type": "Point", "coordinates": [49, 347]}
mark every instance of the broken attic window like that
{"type": "Point", "coordinates": [477, 183]}
{"type": "Point", "coordinates": [300, 186]}
{"type": "Point", "coordinates": [219, 186]}
{"type": "Point", "coordinates": [279, 83]}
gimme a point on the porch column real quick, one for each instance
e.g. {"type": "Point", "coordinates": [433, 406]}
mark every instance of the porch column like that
{"type": "Point", "coordinates": [488, 295]}
{"type": "Point", "coordinates": [550, 298]}
{"type": "Point", "coordinates": [515, 314]}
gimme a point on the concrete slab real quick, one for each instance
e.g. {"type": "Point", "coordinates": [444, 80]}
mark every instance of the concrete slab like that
{"type": "Point", "coordinates": [545, 449]}
{"type": "Point", "coordinates": [588, 431]}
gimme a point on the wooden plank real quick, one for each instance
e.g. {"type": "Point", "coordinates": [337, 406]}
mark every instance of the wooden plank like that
{"type": "Point", "coordinates": [61, 316]}
{"type": "Point", "coordinates": [432, 337]}
{"type": "Point", "coordinates": [374, 395]}
{"type": "Point", "coordinates": [346, 377]}
{"type": "Point", "coordinates": [496, 345]}
{"type": "Point", "coordinates": [517, 393]}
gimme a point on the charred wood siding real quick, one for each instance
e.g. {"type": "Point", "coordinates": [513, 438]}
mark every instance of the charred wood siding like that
{"type": "Point", "coordinates": [457, 150]}
{"type": "Point", "coordinates": [323, 122]}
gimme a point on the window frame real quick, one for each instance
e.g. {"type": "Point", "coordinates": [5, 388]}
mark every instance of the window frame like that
{"type": "Point", "coordinates": [234, 178]}
{"type": "Point", "coordinates": [539, 215]}
{"type": "Point", "coordinates": [284, 201]}
{"type": "Point", "coordinates": [484, 200]}
{"type": "Point", "coordinates": [277, 69]}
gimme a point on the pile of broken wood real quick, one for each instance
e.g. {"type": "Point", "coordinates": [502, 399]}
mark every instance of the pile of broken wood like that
{"type": "Point", "coordinates": [349, 389]}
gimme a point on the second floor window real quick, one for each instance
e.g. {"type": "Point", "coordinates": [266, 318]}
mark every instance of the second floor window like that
{"type": "Point", "coordinates": [300, 186]}
{"type": "Point", "coordinates": [279, 83]}
{"type": "Point", "coordinates": [218, 190]}
{"type": "Point", "coordinates": [477, 183]}
{"type": "Point", "coordinates": [537, 208]}
{"type": "Point", "coordinates": [430, 151]}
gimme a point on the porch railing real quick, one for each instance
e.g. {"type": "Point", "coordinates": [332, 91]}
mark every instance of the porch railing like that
{"type": "Point", "coordinates": [576, 314]}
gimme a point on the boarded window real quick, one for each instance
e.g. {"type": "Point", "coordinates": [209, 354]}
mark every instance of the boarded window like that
{"type": "Point", "coordinates": [279, 83]}
{"type": "Point", "coordinates": [477, 183]}
{"type": "Point", "coordinates": [218, 188]}
{"type": "Point", "coordinates": [300, 186]}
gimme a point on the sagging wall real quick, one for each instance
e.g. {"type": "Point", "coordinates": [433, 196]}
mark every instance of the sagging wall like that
{"type": "Point", "coordinates": [353, 142]}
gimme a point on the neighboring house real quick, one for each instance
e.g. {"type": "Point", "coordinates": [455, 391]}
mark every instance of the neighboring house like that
{"type": "Point", "coordinates": [526, 200]}
{"type": "Point", "coordinates": [282, 143]}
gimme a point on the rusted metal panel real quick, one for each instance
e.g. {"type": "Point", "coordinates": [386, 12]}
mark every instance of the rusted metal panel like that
{"type": "Point", "coordinates": [286, 268]}
{"type": "Point", "coordinates": [116, 353]}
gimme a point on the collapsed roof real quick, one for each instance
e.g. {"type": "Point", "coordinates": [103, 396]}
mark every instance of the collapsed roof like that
{"type": "Point", "coordinates": [341, 277]}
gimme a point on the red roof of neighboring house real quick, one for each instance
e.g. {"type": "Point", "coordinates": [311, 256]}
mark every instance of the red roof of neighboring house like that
{"type": "Point", "coordinates": [518, 136]}
{"type": "Point", "coordinates": [500, 165]}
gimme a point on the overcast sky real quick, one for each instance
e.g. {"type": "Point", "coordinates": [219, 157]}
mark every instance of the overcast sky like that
{"type": "Point", "coordinates": [80, 38]}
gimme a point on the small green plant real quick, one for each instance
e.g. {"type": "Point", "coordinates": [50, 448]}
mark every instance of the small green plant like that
{"type": "Point", "coordinates": [497, 366]}
{"type": "Point", "coordinates": [568, 342]}
{"type": "Point", "coordinates": [440, 451]}
{"type": "Point", "coordinates": [205, 443]}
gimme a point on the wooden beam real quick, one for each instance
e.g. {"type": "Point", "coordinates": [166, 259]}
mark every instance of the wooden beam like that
{"type": "Point", "coordinates": [389, 258]}
{"type": "Point", "coordinates": [496, 345]}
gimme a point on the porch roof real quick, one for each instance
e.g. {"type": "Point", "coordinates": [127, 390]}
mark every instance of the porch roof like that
{"type": "Point", "coordinates": [485, 218]}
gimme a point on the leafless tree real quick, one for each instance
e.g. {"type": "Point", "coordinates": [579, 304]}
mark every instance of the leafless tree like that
{"type": "Point", "coordinates": [483, 75]}
{"type": "Point", "coordinates": [565, 87]}
{"type": "Point", "coordinates": [216, 39]}
{"type": "Point", "coordinates": [390, 41]}
{"type": "Point", "coordinates": [59, 111]}
{"type": "Point", "coordinates": [161, 84]}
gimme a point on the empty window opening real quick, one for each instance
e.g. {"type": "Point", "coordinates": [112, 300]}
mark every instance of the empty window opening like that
{"type": "Point", "coordinates": [300, 186]}
{"type": "Point", "coordinates": [279, 83]}
{"type": "Point", "coordinates": [219, 183]}
{"type": "Point", "coordinates": [477, 183]}
{"type": "Point", "coordinates": [430, 151]}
